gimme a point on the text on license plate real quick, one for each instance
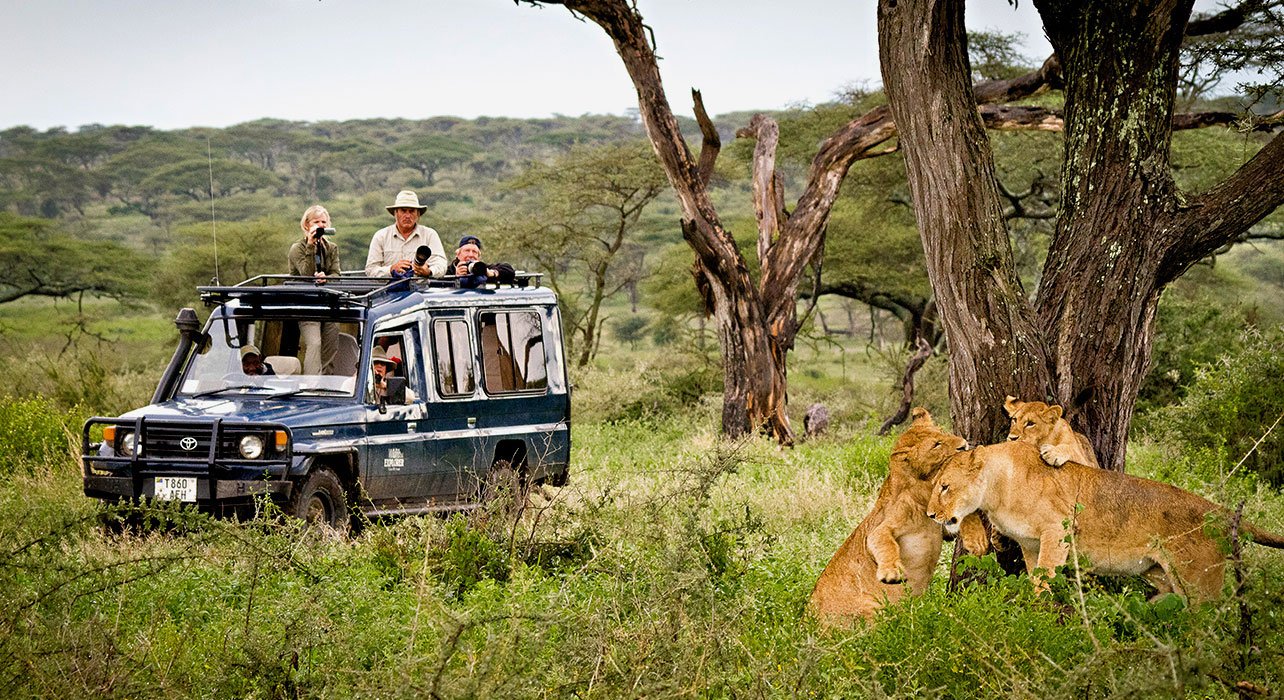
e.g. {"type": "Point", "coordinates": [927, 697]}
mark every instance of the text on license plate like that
{"type": "Point", "coordinates": [176, 488]}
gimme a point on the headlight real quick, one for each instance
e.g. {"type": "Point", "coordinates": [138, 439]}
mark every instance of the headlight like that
{"type": "Point", "coordinates": [127, 443]}
{"type": "Point", "coordinates": [251, 447]}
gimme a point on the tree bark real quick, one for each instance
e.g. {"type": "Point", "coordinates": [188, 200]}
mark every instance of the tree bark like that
{"type": "Point", "coordinates": [1124, 230]}
{"type": "Point", "coordinates": [995, 348]}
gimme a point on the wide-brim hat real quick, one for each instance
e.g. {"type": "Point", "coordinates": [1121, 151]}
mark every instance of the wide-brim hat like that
{"type": "Point", "coordinates": [407, 200]}
{"type": "Point", "coordinates": [249, 350]}
{"type": "Point", "coordinates": [381, 355]}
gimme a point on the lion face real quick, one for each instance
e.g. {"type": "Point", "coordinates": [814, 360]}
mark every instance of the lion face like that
{"type": "Point", "coordinates": [956, 492]}
{"type": "Point", "coordinates": [924, 447]}
{"type": "Point", "coordinates": [1032, 421]}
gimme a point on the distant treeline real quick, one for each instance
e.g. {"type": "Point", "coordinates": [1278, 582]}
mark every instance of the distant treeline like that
{"type": "Point", "coordinates": [138, 169]}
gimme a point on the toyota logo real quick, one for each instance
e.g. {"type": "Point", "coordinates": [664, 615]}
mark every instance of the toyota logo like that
{"type": "Point", "coordinates": [187, 443]}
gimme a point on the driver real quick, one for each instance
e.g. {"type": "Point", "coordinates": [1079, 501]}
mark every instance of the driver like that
{"type": "Point", "coordinates": [252, 362]}
{"type": "Point", "coordinates": [383, 367]}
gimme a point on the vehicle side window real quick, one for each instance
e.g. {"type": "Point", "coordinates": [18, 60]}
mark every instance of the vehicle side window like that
{"type": "Point", "coordinates": [512, 345]}
{"type": "Point", "coordinates": [401, 345]}
{"type": "Point", "coordinates": [454, 355]}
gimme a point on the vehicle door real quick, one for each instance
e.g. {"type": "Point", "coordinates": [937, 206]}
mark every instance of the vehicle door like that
{"type": "Point", "coordinates": [457, 403]}
{"type": "Point", "coordinates": [398, 459]}
{"type": "Point", "coordinates": [513, 352]}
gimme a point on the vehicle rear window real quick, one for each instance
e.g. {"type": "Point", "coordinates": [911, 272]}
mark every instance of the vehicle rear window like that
{"type": "Point", "coordinates": [512, 345]}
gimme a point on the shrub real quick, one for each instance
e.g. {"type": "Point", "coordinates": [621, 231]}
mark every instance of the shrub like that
{"type": "Point", "coordinates": [1188, 334]}
{"type": "Point", "coordinates": [32, 435]}
{"type": "Point", "coordinates": [1233, 403]}
{"type": "Point", "coordinates": [468, 557]}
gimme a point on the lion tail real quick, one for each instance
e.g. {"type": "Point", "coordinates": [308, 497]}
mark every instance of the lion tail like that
{"type": "Point", "coordinates": [1264, 537]}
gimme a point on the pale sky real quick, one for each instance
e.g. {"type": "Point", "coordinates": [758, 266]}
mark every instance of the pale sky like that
{"type": "Point", "coordinates": [180, 63]}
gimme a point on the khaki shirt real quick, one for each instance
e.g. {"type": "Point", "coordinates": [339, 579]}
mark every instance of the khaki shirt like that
{"type": "Point", "coordinates": [387, 247]}
{"type": "Point", "coordinates": [303, 262]}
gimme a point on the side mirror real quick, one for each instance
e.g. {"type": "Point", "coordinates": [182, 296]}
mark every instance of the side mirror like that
{"type": "Point", "coordinates": [396, 391]}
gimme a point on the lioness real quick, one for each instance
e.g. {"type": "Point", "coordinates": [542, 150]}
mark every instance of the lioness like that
{"type": "Point", "coordinates": [896, 542]}
{"type": "Point", "coordinates": [1128, 525]}
{"type": "Point", "coordinates": [1041, 425]}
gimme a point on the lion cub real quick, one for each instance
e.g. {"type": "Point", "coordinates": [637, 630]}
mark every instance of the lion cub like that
{"type": "Point", "coordinates": [894, 550]}
{"type": "Point", "coordinates": [1128, 525]}
{"type": "Point", "coordinates": [1041, 425]}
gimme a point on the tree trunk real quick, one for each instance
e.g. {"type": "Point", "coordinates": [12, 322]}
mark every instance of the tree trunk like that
{"type": "Point", "coordinates": [994, 345]}
{"type": "Point", "coordinates": [1124, 230]}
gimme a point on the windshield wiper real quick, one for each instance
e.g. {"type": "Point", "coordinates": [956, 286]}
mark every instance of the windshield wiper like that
{"type": "Point", "coordinates": [238, 387]}
{"type": "Point", "coordinates": [323, 390]}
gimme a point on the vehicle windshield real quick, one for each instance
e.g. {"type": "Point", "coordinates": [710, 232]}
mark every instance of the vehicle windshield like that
{"type": "Point", "coordinates": [274, 357]}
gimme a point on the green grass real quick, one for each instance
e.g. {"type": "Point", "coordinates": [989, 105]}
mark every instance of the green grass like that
{"type": "Point", "coordinates": [673, 564]}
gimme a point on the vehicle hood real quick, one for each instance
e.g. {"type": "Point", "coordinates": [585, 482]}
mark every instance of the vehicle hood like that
{"type": "Point", "coordinates": [296, 411]}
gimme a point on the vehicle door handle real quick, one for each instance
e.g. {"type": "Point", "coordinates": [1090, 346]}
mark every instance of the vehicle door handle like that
{"type": "Point", "coordinates": [472, 421]}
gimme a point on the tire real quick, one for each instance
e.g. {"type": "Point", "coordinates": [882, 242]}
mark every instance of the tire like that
{"type": "Point", "coordinates": [321, 499]}
{"type": "Point", "coordinates": [501, 479]}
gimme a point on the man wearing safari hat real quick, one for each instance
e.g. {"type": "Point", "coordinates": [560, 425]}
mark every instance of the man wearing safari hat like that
{"type": "Point", "coordinates": [392, 250]}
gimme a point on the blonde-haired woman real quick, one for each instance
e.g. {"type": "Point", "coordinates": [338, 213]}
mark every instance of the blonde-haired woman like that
{"type": "Point", "coordinates": [315, 256]}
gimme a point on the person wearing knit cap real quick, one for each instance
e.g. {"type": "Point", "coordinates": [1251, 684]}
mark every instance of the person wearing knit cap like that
{"type": "Point", "coordinates": [472, 272]}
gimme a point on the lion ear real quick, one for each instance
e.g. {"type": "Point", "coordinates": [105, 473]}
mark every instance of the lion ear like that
{"type": "Point", "coordinates": [1055, 412]}
{"type": "Point", "coordinates": [1011, 405]}
{"type": "Point", "coordinates": [921, 415]}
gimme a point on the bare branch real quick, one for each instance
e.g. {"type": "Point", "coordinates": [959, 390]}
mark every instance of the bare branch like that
{"type": "Point", "coordinates": [1222, 214]}
{"type": "Point", "coordinates": [1047, 77]}
{"type": "Point", "coordinates": [1224, 21]}
{"type": "Point", "coordinates": [712, 143]}
{"type": "Point", "coordinates": [767, 201]}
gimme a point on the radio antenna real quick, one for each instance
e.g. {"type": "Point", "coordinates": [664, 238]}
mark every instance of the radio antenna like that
{"type": "Point", "coordinates": [213, 223]}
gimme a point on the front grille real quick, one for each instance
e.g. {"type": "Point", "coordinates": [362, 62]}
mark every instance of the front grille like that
{"type": "Point", "coordinates": [174, 440]}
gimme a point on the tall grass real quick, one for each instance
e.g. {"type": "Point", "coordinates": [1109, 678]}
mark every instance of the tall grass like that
{"type": "Point", "coordinates": [673, 564]}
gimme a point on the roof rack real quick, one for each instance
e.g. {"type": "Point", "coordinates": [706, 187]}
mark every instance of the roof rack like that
{"type": "Point", "coordinates": [345, 290]}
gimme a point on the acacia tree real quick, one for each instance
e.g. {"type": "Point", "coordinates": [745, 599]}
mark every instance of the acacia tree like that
{"type": "Point", "coordinates": [585, 211]}
{"type": "Point", "coordinates": [757, 322]}
{"type": "Point", "coordinates": [1124, 230]}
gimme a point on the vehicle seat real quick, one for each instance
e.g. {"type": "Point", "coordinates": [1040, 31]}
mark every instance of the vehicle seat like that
{"type": "Point", "coordinates": [346, 354]}
{"type": "Point", "coordinates": [283, 365]}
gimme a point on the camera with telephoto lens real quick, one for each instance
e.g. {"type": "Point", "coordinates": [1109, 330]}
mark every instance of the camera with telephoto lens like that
{"type": "Point", "coordinates": [478, 268]}
{"type": "Point", "coordinates": [422, 253]}
{"type": "Point", "coordinates": [322, 231]}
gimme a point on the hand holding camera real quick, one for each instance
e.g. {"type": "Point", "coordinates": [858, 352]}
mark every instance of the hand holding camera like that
{"type": "Point", "coordinates": [318, 233]}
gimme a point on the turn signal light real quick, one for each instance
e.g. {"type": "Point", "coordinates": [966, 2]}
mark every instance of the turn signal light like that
{"type": "Point", "coordinates": [282, 439]}
{"type": "Point", "coordinates": [109, 434]}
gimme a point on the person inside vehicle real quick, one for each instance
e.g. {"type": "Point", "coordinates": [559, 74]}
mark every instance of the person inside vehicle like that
{"type": "Point", "coordinates": [252, 362]}
{"type": "Point", "coordinates": [318, 257]}
{"type": "Point", "coordinates": [470, 269]}
{"type": "Point", "coordinates": [384, 366]}
{"type": "Point", "coordinates": [392, 249]}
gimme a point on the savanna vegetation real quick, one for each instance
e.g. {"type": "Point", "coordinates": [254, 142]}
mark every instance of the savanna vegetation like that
{"type": "Point", "coordinates": [676, 562]}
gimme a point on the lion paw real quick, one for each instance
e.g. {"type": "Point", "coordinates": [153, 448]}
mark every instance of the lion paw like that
{"type": "Point", "coordinates": [1052, 456]}
{"type": "Point", "coordinates": [891, 574]}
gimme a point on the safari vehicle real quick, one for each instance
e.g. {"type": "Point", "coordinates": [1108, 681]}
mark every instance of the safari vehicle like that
{"type": "Point", "coordinates": [480, 393]}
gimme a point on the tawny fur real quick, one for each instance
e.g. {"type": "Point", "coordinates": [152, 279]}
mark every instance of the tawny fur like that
{"type": "Point", "coordinates": [894, 550]}
{"type": "Point", "coordinates": [1044, 427]}
{"type": "Point", "coordinates": [1128, 525]}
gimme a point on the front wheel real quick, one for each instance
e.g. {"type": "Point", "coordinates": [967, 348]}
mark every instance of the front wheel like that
{"type": "Point", "coordinates": [321, 499]}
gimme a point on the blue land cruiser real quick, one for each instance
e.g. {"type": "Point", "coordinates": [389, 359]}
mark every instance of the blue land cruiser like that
{"type": "Point", "coordinates": [478, 391]}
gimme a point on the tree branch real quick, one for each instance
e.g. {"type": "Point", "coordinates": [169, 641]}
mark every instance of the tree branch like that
{"type": "Point", "coordinates": [712, 143]}
{"type": "Point", "coordinates": [1224, 21]}
{"type": "Point", "coordinates": [768, 203]}
{"type": "Point", "coordinates": [1223, 213]}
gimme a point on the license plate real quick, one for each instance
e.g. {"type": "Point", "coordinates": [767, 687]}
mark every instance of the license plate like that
{"type": "Point", "coordinates": [176, 488]}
